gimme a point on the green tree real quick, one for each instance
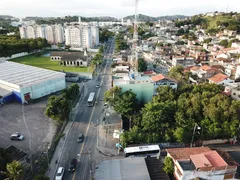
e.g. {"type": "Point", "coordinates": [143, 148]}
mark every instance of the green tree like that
{"type": "Point", "coordinates": [4, 159]}
{"type": "Point", "coordinates": [168, 165]}
{"type": "Point", "coordinates": [58, 108]}
{"type": "Point", "coordinates": [224, 43]}
{"type": "Point", "coordinates": [178, 74]}
{"type": "Point", "coordinates": [14, 171]}
{"type": "Point", "coordinates": [141, 65]}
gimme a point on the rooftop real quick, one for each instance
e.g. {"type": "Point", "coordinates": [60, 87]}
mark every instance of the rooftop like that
{"type": "Point", "coordinates": [121, 169]}
{"type": "Point", "coordinates": [185, 153]}
{"type": "Point", "coordinates": [187, 165]}
{"type": "Point", "coordinates": [160, 77]}
{"type": "Point", "coordinates": [218, 78]}
{"type": "Point", "coordinates": [70, 56]}
{"type": "Point", "coordinates": [23, 75]}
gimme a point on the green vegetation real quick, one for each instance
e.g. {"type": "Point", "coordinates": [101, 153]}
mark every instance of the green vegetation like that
{"type": "Point", "coordinates": [41, 177]}
{"type": "Point", "coordinates": [178, 74]}
{"type": "Point", "coordinates": [104, 34]}
{"type": "Point", "coordinates": [59, 107]}
{"type": "Point", "coordinates": [168, 165]}
{"type": "Point", "coordinates": [215, 23]}
{"type": "Point", "coordinates": [46, 63]}
{"type": "Point", "coordinates": [14, 171]}
{"type": "Point", "coordinates": [141, 65]}
{"type": "Point", "coordinates": [227, 43]}
{"type": "Point", "coordinates": [13, 44]}
{"type": "Point", "coordinates": [97, 59]}
{"type": "Point", "coordinates": [124, 103]}
{"type": "Point", "coordinates": [121, 44]}
{"type": "Point", "coordinates": [172, 114]}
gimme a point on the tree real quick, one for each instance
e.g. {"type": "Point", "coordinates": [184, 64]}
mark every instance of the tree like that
{"type": "Point", "coordinates": [14, 171]}
{"type": "Point", "coordinates": [177, 73]}
{"type": "Point", "coordinates": [224, 43]}
{"type": "Point", "coordinates": [4, 159]}
{"type": "Point", "coordinates": [168, 165]}
{"type": "Point", "coordinates": [141, 65]}
{"type": "Point", "coordinates": [58, 108]}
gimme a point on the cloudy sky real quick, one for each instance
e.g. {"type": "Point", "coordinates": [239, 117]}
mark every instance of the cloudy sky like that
{"type": "Point", "coordinates": [116, 8]}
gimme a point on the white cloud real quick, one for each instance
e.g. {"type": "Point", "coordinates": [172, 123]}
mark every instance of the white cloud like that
{"type": "Point", "coordinates": [117, 8]}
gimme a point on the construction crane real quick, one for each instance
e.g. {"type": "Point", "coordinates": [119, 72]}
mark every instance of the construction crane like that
{"type": "Point", "coordinates": [135, 39]}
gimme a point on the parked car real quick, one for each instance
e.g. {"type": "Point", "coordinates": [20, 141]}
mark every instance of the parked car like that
{"type": "Point", "coordinates": [72, 165]}
{"type": "Point", "coordinates": [17, 136]}
{"type": "Point", "coordinates": [60, 172]}
{"type": "Point", "coordinates": [80, 138]}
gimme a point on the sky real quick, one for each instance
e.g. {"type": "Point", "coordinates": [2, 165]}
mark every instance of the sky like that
{"type": "Point", "coordinates": [115, 8]}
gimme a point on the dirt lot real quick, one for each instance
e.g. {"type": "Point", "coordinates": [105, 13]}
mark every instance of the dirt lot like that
{"type": "Point", "coordinates": [30, 120]}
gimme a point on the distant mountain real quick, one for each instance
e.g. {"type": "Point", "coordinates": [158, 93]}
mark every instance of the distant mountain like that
{"type": "Point", "coordinates": [172, 17]}
{"type": "Point", "coordinates": [6, 17]}
{"type": "Point", "coordinates": [142, 17]}
{"type": "Point", "coordinates": [100, 18]}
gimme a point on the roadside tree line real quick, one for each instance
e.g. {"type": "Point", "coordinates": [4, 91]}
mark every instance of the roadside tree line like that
{"type": "Point", "coordinates": [172, 114]}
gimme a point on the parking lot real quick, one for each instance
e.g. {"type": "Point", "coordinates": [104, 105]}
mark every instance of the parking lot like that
{"type": "Point", "coordinates": [29, 120]}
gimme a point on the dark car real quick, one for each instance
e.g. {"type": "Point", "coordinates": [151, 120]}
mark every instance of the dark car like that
{"type": "Point", "coordinates": [72, 165]}
{"type": "Point", "coordinates": [80, 138]}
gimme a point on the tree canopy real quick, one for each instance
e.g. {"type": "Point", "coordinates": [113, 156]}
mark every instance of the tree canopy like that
{"type": "Point", "coordinates": [142, 65]}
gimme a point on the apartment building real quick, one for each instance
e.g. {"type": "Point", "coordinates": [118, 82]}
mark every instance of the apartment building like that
{"type": "Point", "coordinates": [183, 61]}
{"type": "Point", "coordinates": [81, 35]}
{"type": "Point", "coordinates": [53, 33]}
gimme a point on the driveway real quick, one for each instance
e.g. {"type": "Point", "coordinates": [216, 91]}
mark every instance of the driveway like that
{"type": "Point", "coordinates": [30, 120]}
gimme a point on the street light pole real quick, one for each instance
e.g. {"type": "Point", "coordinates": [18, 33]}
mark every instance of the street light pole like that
{"type": "Point", "coordinates": [196, 126]}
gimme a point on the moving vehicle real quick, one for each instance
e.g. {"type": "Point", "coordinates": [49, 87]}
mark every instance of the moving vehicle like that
{"type": "Point", "coordinates": [17, 136]}
{"type": "Point", "coordinates": [142, 151]}
{"type": "Point", "coordinates": [91, 99]}
{"type": "Point", "coordinates": [97, 86]}
{"type": "Point", "coordinates": [80, 138]}
{"type": "Point", "coordinates": [72, 165]}
{"type": "Point", "coordinates": [60, 172]}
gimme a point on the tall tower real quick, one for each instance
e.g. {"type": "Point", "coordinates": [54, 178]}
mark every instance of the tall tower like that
{"type": "Point", "coordinates": [135, 39]}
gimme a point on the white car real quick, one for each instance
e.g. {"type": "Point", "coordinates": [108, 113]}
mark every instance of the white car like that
{"type": "Point", "coordinates": [97, 86]}
{"type": "Point", "coordinates": [60, 172]}
{"type": "Point", "coordinates": [17, 136]}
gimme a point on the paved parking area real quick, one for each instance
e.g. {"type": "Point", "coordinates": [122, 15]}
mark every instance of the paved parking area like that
{"type": "Point", "coordinates": [30, 120]}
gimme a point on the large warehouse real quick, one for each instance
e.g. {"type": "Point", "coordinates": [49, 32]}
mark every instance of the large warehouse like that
{"type": "Point", "coordinates": [22, 82]}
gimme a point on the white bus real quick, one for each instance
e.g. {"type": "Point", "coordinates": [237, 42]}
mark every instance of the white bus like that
{"type": "Point", "coordinates": [143, 151]}
{"type": "Point", "coordinates": [91, 99]}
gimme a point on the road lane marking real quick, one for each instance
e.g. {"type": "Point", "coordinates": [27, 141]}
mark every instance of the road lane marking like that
{"type": "Point", "coordinates": [89, 123]}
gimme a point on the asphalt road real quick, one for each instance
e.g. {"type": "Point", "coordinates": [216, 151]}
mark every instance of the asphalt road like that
{"type": "Point", "coordinates": [85, 121]}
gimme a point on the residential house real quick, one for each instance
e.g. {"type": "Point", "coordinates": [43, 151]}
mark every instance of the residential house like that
{"type": "Point", "coordinates": [229, 32]}
{"type": "Point", "coordinates": [70, 58]}
{"type": "Point", "coordinates": [162, 80]}
{"type": "Point", "coordinates": [220, 79]}
{"type": "Point", "coordinates": [233, 89]}
{"type": "Point", "coordinates": [201, 163]}
{"type": "Point", "coordinates": [183, 61]}
{"type": "Point", "coordinates": [203, 72]}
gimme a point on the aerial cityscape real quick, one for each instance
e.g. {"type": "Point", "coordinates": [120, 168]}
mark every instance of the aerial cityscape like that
{"type": "Point", "coordinates": [127, 90]}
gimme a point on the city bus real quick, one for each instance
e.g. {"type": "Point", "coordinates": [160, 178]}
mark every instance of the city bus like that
{"type": "Point", "coordinates": [91, 99]}
{"type": "Point", "coordinates": [142, 151]}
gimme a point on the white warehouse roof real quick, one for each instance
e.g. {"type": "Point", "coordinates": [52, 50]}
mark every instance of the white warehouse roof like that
{"type": "Point", "coordinates": [25, 75]}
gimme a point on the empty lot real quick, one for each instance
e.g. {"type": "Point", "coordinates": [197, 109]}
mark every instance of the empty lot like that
{"type": "Point", "coordinates": [29, 120]}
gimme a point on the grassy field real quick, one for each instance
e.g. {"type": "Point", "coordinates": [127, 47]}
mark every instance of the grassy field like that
{"type": "Point", "coordinates": [44, 62]}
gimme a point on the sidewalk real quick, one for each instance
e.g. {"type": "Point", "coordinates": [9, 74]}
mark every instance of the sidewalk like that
{"type": "Point", "coordinates": [58, 153]}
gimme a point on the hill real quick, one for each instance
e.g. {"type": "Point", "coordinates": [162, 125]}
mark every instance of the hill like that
{"type": "Point", "coordinates": [6, 17]}
{"type": "Point", "coordinates": [142, 17]}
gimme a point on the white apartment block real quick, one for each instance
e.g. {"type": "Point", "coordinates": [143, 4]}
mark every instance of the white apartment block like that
{"type": "Point", "coordinates": [81, 35]}
{"type": "Point", "coordinates": [53, 33]}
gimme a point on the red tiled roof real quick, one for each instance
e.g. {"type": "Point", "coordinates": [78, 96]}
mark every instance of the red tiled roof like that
{"type": "Point", "coordinates": [200, 160]}
{"type": "Point", "coordinates": [215, 159]}
{"type": "Point", "coordinates": [185, 153]}
{"type": "Point", "coordinates": [205, 68]}
{"type": "Point", "coordinates": [218, 77]}
{"type": "Point", "coordinates": [160, 77]}
{"type": "Point", "coordinates": [194, 68]}
{"type": "Point", "coordinates": [149, 72]}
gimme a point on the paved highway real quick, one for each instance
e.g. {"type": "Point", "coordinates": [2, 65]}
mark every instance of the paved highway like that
{"type": "Point", "coordinates": [85, 121]}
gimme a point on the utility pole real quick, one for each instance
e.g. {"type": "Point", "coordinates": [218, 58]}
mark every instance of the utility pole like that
{"type": "Point", "coordinates": [194, 131]}
{"type": "Point", "coordinates": [135, 39]}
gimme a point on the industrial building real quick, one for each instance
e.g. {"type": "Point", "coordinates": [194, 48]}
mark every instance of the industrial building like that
{"type": "Point", "coordinates": [24, 83]}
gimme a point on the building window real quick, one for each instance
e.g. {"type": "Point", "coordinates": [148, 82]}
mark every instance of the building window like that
{"type": "Point", "coordinates": [234, 94]}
